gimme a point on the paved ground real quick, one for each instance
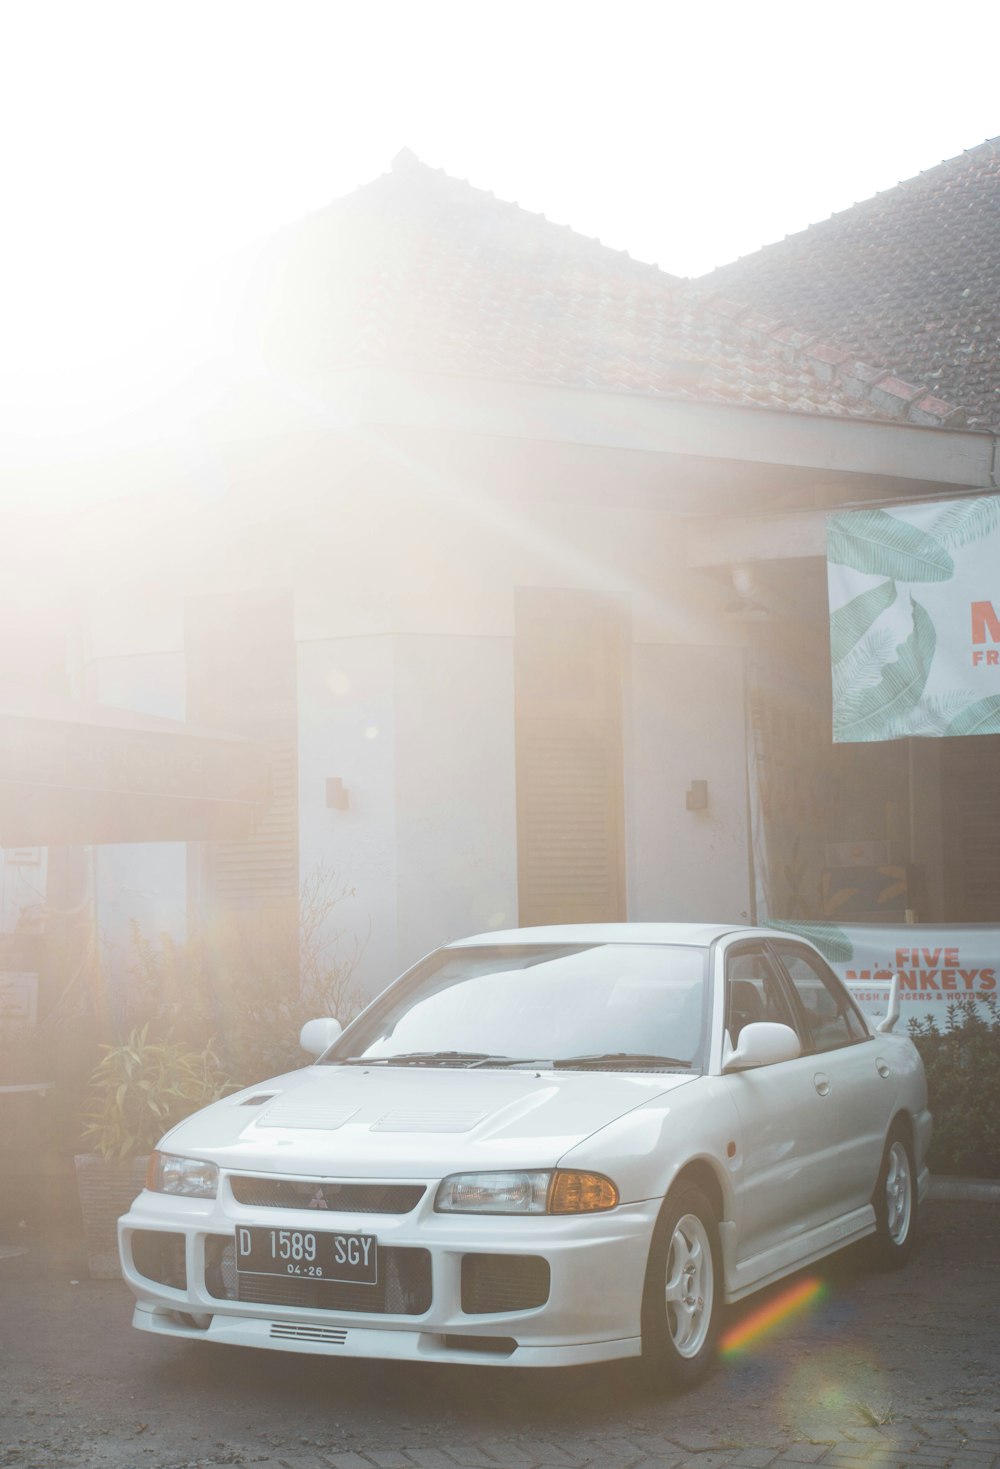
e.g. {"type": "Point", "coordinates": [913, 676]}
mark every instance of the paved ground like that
{"type": "Point", "coordinates": [878, 1372]}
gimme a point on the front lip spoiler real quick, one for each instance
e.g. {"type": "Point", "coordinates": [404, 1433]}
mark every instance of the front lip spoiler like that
{"type": "Point", "coordinates": [393, 1344]}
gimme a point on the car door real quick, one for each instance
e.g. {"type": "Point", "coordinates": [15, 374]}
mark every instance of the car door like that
{"type": "Point", "coordinates": [784, 1124]}
{"type": "Point", "coordinates": [844, 1057]}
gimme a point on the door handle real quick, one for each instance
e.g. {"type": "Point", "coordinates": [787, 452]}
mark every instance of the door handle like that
{"type": "Point", "coordinates": [882, 1066]}
{"type": "Point", "coordinates": [822, 1083]}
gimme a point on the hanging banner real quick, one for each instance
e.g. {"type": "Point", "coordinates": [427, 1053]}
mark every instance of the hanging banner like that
{"type": "Point", "coordinates": [915, 620]}
{"type": "Point", "coordinates": [939, 963]}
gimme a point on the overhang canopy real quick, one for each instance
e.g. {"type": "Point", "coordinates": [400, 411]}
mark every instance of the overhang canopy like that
{"type": "Point", "coordinates": [80, 773]}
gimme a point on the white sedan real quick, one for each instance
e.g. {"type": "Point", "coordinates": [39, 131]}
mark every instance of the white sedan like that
{"type": "Point", "coordinates": [539, 1148]}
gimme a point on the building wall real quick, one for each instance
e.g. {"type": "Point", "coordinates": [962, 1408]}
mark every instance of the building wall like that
{"type": "Point", "coordinates": [347, 733]}
{"type": "Point", "coordinates": [405, 638]}
{"type": "Point", "coordinates": [144, 884]}
{"type": "Point", "coordinates": [686, 724]}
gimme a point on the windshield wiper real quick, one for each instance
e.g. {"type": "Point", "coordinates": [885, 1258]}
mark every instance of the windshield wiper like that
{"type": "Point", "coordinates": [424, 1058]}
{"type": "Point", "coordinates": [619, 1058]}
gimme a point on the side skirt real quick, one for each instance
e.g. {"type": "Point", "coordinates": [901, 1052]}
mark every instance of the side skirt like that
{"type": "Point", "coordinates": [746, 1276]}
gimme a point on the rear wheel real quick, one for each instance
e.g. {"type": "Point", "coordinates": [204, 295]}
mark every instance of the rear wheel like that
{"type": "Point", "coordinates": [895, 1202]}
{"type": "Point", "coordinates": [682, 1293]}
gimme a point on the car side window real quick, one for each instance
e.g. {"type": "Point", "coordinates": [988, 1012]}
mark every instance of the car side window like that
{"type": "Point", "coordinates": [753, 992]}
{"type": "Point", "coordinates": [832, 1020]}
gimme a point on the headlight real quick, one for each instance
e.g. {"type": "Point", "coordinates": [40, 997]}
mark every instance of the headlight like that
{"type": "Point", "coordinates": [168, 1174]}
{"type": "Point", "coordinates": [545, 1191]}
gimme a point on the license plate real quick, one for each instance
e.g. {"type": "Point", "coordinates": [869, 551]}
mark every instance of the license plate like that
{"type": "Point", "coordinates": [310, 1254]}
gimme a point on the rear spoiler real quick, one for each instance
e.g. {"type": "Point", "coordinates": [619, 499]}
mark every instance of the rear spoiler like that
{"type": "Point", "coordinates": [892, 1014]}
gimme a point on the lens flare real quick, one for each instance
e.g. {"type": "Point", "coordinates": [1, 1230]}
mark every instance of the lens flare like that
{"type": "Point", "coordinates": [755, 1326]}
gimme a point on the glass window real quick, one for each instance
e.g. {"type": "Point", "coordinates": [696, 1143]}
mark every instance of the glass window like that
{"type": "Point", "coordinates": [831, 1017]}
{"type": "Point", "coordinates": [753, 992]}
{"type": "Point", "coordinates": [550, 1003]}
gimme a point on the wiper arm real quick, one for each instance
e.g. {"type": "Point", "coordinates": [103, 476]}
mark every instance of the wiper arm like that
{"type": "Point", "coordinates": [620, 1058]}
{"type": "Point", "coordinates": [426, 1058]}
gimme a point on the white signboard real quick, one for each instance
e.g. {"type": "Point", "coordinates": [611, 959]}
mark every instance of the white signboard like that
{"type": "Point", "coordinates": [19, 997]}
{"type": "Point", "coordinates": [939, 963]}
{"type": "Point", "coordinates": [915, 620]}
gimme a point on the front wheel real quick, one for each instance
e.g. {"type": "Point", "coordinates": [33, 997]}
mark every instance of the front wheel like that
{"type": "Point", "coordinates": [895, 1203]}
{"type": "Point", "coordinates": [682, 1293]}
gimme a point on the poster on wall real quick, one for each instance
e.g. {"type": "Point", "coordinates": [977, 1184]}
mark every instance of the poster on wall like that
{"type": "Point", "coordinates": [915, 620]}
{"type": "Point", "coordinates": [938, 964]}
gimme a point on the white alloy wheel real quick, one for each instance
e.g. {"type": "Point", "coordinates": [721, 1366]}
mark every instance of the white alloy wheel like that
{"type": "Point", "coordinates": [895, 1202]}
{"type": "Point", "coordinates": [690, 1285]}
{"type": "Point", "coordinates": [682, 1294]}
{"type": "Point", "coordinates": [898, 1193]}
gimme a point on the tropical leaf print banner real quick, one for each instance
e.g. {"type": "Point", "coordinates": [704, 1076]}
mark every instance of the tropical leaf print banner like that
{"type": "Point", "coordinates": [915, 620]}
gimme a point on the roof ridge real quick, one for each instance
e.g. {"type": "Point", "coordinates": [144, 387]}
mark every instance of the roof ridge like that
{"type": "Point", "coordinates": [924, 178]}
{"type": "Point", "coordinates": [407, 165]}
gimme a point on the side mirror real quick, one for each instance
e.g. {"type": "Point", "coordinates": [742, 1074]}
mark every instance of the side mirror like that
{"type": "Point", "coordinates": [762, 1044]}
{"type": "Point", "coordinates": [317, 1036]}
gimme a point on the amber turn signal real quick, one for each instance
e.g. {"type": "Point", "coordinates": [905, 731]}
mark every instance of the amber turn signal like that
{"type": "Point", "coordinates": [581, 1193]}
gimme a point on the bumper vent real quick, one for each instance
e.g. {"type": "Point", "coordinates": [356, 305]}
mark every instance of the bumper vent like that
{"type": "Point", "coordinates": [486, 1346]}
{"type": "Point", "coordinates": [403, 1288]}
{"type": "Point", "coordinates": [346, 1198]}
{"type": "Point", "coordinates": [159, 1256]}
{"type": "Point", "coordinates": [285, 1331]}
{"type": "Point", "coordinates": [494, 1283]}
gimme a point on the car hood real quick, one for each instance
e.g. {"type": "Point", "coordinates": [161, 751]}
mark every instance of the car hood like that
{"type": "Point", "coordinates": [410, 1122]}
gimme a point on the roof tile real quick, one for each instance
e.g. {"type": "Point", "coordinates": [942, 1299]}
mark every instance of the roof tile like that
{"type": "Point", "coordinates": [423, 272]}
{"type": "Point", "coordinates": [909, 279]}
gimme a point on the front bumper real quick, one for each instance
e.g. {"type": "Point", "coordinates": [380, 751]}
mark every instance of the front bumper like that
{"type": "Point", "coordinates": [587, 1311]}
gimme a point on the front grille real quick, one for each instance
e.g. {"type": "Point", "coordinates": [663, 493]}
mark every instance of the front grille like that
{"type": "Point", "coordinates": [492, 1283]}
{"type": "Point", "coordinates": [159, 1256]}
{"type": "Point", "coordinates": [348, 1198]}
{"type": "Point", "coordinates": [403, 1288]}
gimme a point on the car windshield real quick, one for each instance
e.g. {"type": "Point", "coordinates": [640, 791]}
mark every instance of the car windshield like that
{"type": "Point", "coordinates": [619, 1006]}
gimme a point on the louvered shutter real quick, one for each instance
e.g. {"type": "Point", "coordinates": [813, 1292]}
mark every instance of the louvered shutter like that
{"type": "Point", "coordinates": [570, 820]}
{"type": "Point", "coordinates": [971, 800]}
{"type": "Point", "coordinates": [241, 677]}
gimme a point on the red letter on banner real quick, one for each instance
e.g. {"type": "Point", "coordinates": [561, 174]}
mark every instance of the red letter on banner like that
{"type": "Point", "coordinates": [985, 621]}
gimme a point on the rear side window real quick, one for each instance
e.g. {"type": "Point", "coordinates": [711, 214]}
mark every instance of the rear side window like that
{"type": "Point", "coordinates": [831, 1018]}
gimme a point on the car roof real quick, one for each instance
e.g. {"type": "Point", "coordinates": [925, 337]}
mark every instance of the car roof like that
{"type": "Point", "coordinates": [698, 934]}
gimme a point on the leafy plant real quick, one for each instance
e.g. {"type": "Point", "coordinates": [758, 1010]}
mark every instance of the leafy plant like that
{"type": "Point", "coordinates": [872, 714]}
{"type": "Point", "coordinates": [251, 995]}
{"type": "Point", "coordinates": [963, 1080]}
{"type": "Point", "coordinates": [830, 939]}
{"type": "Point", "coordinates": [850, 623]}
{"type": "Point", "coordinates": [885, 545]}
{"type": "Point", "coordinates": [141, 1087]}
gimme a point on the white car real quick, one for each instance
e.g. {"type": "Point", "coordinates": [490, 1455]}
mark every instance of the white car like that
{"type": "Point", "coordinates": [539, 1148]}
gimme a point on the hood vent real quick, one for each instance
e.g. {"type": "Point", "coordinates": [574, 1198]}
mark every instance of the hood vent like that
{"type": "Point", "coordinates": [411, 1121]}
{"type": "Point", "coordinates": [257, 1100]}
{"type": "Point", "coordinates": [293, 1112]}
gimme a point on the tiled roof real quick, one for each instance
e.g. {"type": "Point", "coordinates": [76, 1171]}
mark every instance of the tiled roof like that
{"type": "Point", "coordinates": [421, 271]}
{"type": "Point", "coordinates": [910, 278]}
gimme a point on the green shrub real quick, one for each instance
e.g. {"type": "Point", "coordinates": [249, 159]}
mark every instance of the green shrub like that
{"type": "Point", "coordinates": [963, 1080]}
{"type": "Point", "coordinates": [252, 997]}
{"type": "Point", "coordinates": [141, 1087]}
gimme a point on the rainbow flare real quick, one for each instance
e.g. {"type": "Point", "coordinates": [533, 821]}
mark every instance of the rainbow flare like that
{"type": "Point", "coordinates": [745, 1333]}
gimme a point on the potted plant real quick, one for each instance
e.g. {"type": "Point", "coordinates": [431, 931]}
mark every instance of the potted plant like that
{"type": "Point", "coordinates": [138, 1089]}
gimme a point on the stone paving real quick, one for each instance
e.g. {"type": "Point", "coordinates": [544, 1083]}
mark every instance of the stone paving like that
{"type": "Point", "coordinates": [885, 1372]}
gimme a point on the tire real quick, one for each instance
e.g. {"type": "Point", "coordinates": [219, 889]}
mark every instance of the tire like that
{"type": "Point", "coordinates": [682, 1295]}
{"type": "Point", "coordinates": [895, 1202]}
